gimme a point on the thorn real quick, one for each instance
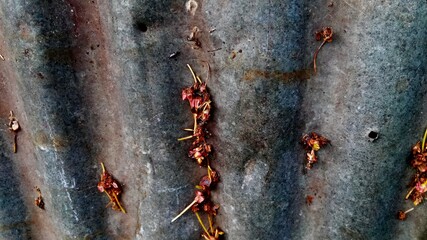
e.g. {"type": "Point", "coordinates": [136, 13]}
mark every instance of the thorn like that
{"type": "Point", "coordinates": [194, 75]}
{"type": "Point", "coordinates": [183, 211]}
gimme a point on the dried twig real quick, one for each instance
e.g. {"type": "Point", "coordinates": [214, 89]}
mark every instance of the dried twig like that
{"type": "Point", "coordinates": [326, 35]}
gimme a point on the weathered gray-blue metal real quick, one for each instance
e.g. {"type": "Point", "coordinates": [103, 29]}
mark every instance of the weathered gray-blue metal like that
{"type": "Point", "coordinates": [92, 81]}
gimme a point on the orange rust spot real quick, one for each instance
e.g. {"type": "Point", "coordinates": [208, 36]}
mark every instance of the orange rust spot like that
{"type": "Point", "coordinates": [304, 74]}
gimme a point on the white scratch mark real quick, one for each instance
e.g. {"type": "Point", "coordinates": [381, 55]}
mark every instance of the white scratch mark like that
{"type": "Point", "coordinates": [352, 7]}
{"type": "Point", "coordinates": [62, 176]}
{"type": "Point", "coordinates": [169, 190]}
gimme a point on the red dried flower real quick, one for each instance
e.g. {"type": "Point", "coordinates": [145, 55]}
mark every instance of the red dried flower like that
{"type": "Point", "coordinates": [312, 143]}
{"type": "Point", "coordinates": [326, 35]}
{"type": "Point", "coordinates": [112, 188]}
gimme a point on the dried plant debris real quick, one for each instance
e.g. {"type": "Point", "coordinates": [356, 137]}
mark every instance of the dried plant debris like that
{"type": "Point", "coordinates": [309, 200]}
{"type": "Point", "coordinates": [401, 215]}
{"type": "Point", "coordinates": [194, 37]}
{"type": "Point", "coordinates": [419, 163]}
{"type": "Point", "coordinates": [199, 100]}
{"type": "Point", "coordinates": [312, 143]}
{"type": "Point", "coordinates": [200, 105]}
{"type": "Point", "coordinates": [14, 127]}
{"type": "Point", "coordinates": [112, 188]}
{"type": "Point", "coordinates": [324, 35]}
{"type": "Point", "coordinates": [39, 200]}
{"type": "Point", "coordinates": [174, 54]}
{"type": "Point", "coordinates": [215, 235]}
{"type": "Point", "coordinates": [191, 6]}
{"type": "Point", "coordinates": [418, 185]}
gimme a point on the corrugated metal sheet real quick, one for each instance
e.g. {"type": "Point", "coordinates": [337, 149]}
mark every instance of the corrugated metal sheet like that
{"type": "Point", "coordinates": [92, 81]}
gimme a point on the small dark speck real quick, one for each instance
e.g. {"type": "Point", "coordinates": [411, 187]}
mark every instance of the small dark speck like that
{"type": "Point", "coordinates": [97, 45]}
{"type": "Point", "coordinates": [240, 51]}
{"type": "Point", "coordinates": [92, 47]}
{"type": "Point", "coordinates": [87, 53]}
{"type": "Point", "coordinates": [40, 75]}
{"type": "Point", "coordinates": [141, 26]}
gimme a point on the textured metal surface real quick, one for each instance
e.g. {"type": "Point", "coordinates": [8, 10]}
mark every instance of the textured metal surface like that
{"type": "Point", "coordinates": [92, 81]}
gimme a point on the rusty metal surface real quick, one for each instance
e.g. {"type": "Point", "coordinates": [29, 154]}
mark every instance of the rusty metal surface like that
{"type": "Point", "coordinates": [92, 81]}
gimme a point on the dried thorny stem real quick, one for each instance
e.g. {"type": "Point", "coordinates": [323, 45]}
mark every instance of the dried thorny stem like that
{"type": "Point", "coordinates": [15, 144]}
{"type": "Point", "coordinates": [183, 211]}
{"type": "Point", "coordinates": [326, 35]}
{"type": "Point", "coordinates": [409, 193]}
{"type": "Point", "coordinates": [112, 189]}
{"type": "Point", "coordinates": [200, 104]}
{"type": "Point", "coordinates": [424, 140]}
{"type": "Point", "coordinates": [192, 73]}
{"type": "Point", "coordinates": [210, 224]}
{"type": "Point", "coordinates": [201, 223]}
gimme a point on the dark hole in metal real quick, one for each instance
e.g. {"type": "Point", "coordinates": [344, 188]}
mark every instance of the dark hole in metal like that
{"type": "Point", "coordinates": [373, 135]}
{"type": "Point", "coordinates": [141, 26]}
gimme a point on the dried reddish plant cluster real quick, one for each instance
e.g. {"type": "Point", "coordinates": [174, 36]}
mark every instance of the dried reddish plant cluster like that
{"type": "Point", "coordinates": [324, 35]}
{"type": "Point", "coordinates": [312, 143]}
{"type": "Point", "coordinates": [419, 181]}
{"type": "Point", "coordinates": [112, 188]}
{"type": "Point", "coordinates": [199, 100]}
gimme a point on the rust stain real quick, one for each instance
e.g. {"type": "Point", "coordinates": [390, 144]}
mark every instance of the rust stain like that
{"type": "Point", "coordinates": [253, 74]}
{"type": "Point", "coordinates": [43, 141]}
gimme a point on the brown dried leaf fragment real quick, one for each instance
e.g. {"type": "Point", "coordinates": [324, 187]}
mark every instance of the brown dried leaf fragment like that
{"type": "Point", "coordinates": [39, 200]}
{"type": "Point", "coordinates": [309, 200]}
